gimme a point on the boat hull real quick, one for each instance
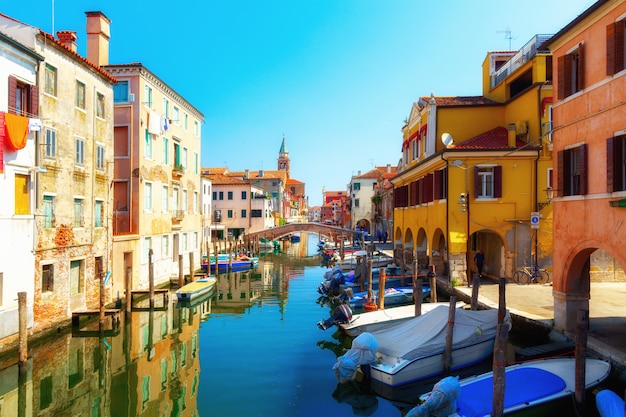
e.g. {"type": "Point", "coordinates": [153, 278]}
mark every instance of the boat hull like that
{"type": "Point", "coordinates": [196, 289]}
{"type": "Point", "coordinates": [394, 371]}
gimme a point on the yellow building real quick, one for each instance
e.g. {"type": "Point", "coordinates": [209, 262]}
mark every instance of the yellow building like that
{"type": "Point", "coordinates": [474, 169]}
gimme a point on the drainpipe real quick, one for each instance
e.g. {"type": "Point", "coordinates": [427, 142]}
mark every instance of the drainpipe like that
{"type": "Point", "coordinates": [537, 165]}
{"type": "Point", "coordinates": [447, 214]}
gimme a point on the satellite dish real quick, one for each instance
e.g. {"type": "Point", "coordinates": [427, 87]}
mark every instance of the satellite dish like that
{"type": "Point", "coordinates": [446, 139]}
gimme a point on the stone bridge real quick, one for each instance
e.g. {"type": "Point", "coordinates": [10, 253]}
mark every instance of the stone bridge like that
{"type": "Point", "coordinates": [323, 229]}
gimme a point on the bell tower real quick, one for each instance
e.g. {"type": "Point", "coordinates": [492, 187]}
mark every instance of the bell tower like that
{"type": "Point", "coordinates": [283, 158]}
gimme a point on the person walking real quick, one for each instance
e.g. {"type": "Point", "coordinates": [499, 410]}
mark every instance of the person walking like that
{"type": "Point", "coordinates": [479, 259]}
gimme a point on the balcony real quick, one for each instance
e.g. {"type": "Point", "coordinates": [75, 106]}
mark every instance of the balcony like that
{"type": "Point", "coordinates": [178, 215]}
{"type": "Point", "coordinates": [178, 171]}
{"type": "Point", "coordinates": [524, 55]}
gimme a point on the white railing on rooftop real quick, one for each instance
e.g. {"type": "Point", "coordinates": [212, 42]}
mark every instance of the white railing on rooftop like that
{"type": "Point", "coordinates": [520, 58]}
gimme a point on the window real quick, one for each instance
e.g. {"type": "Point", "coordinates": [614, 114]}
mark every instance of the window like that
{"type": "Point", "coordinates": [175, 199]}
{"type": "Point", "coordinates": [79, 208]}
{"type": "Point", "coordinates": [48, 211]}
{"type": "Point", "coordinates": [195, 207]}
{"type": "Point", "coordinates": [79, 147]}
{"type": "Point", "coordinates": [50, 82]}
{"type": "Point", "coordinates": [230, 214]}
{"type": "Point", "coordinates": [147, 245]}
{"type": "Point", "coordinates": [177, 162]}
{"type": "Point", "coordinates": [120, 196]}
{"type": "Point", "coordinates": [45, 392]}
{"type": "Point", "coordinates": [357, 186]}
{"type": "Point", "coordinates": [80, 95]}
{"type": "Point", "coordinates": [99, 214]}
{"type": "Point", "coordinates": [214, 195]}
{"type": "Point", "coordinates": [195, 240]}
{"type": "Point", "coordinates": [148, 143]}
{"type": "Point", "coordinates": [571, 72]}
{"type": "Point", "coordinates": [147, 196]}
{"type": "Point", "coordinates": [77, 273]}
{"type": "Point", "coordinates": [166, 150]}
{"type": "Point", "coordinates": [615, 48]}
{"type": "Point", "coordinates": [244, 195]}
{"type": "Point", "coordinates": [230, 195]}
{"type": "Point", "coordinates": [184, 159]}
{"type": "Point", "coordinates": [184, 241]}
{"type": "Point", "coordinates": [47, 278]}
{"type": "Point", "coordinates": [572, 174]}
{"type": "Point", "coordinates": [196, 166]}
{"type": "Point", "coordinates": [98, 269]}
{"type": "Point", "coordinates": [196, 129]}
{"type": "Point", "coordinates": [120, 92]}
{"type": "Point", "coordinates": [256, 213]}
{"type": "Point", "coordinates": [165, 199]}
{"type": "Point", "coordinates": [176, 115]}
{"type": "Point", "coordinates": [148, 97]}
{"type": "Point", "coordinates": [165, 246]}
{"type": "Point", "coordinates": [23, 99]}
{"type": "Point", "coordinates": [22, 194]}
{"type": "Point", "coordinates": [100, 105]}
{"type": "Point", "coordinates": [166, 108]}
{"type": "Point", "coordinates": [184, 207]}
{"type": "Point", "coordinates": [487, 181]}
{"type": "Point", "coordinates": [356, 202]}
{"type": "Point", "coordinates": [186, 121]}
{"type": "Point", "coordinates": [221, 195]}
{"type": "Point", "coordinates": [50, 145]}
{"type": "Point", "coordinates": [616, 163]}
{"type": "Point", "coordinates": [121, 144]}
{"type": "Point", "coordinates": [100, 157]}
{"type": "Point", "coordinates": [244, 214]}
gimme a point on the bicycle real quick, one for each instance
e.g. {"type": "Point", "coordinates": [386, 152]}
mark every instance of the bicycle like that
{"type": "Point", "coordinates": [533, 274]}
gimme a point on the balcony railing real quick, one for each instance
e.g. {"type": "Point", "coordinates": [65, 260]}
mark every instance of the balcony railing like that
{"type": "Point", "coordinates": [178, 215]}
{"type": "Point", "coordinates": [524, 55]}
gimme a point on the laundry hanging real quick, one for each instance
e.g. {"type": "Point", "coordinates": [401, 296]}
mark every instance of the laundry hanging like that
{"type": "Point", "coordinates": [154, 123]}
{"type": "Point", "coordinates": [16, 131]}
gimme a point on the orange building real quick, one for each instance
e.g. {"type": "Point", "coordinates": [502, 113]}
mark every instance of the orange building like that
{"type": "Point", "coordinates": [589, 139]}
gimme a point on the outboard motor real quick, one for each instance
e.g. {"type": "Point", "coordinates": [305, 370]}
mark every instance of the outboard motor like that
{"type": "Point", "coordinates": [342, 314]}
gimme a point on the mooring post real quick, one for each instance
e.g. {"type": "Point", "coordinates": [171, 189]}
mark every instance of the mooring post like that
{"type": "Point", "coordinates": [215, 251]}
{"type": "Point", "coordinates": [230, 256]}
{"type": "Point", "coordinates": [181, 272]}
{"type": "Point", "coordinates": [476, 285]}
{"type": "Point", "coordinates": [23, 331]}
{"type": "Point", "coordinates": [129, 278]}
{"type": "Point", "coordinates": [447, 360]}
{"type": "Point", "coordinates": [499, 369]}
{"type": "Point", "coordinates": [418, 287]}
{"type": "Point", "coordinates": [191, 267]}
{"type": "Point", "coordinates": [580, 343]}
{"type": "Point", "coordinates": [382, 277]}
{"type": "Point", "coordinates": [151, 277]}
{"type": "Point", "coordinates": [101, 303]}
{"type": "Point", "coordinates": [369, 281]}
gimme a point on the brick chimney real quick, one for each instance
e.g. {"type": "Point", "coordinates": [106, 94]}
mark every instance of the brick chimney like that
{"type": "Point", "coordinates": [98, 34]}
{"type": "Point", "coordinates": [68, 39]}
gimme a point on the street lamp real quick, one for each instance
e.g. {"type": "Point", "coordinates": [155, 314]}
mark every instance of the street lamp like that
{"type": "Point", "coordinates": [465, 208]}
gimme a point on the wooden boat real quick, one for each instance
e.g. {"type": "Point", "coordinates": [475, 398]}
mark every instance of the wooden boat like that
{"type": "Point", "coordinates": [378, 261]}
{"type": "Point", "coordinates": [195, 289]}
{"type": "Point", "coordinates": [527, 385]}
{"type": "Point", "coordinates": [376, 320]}
{"type": "Point", "coordinates": [415, 349]}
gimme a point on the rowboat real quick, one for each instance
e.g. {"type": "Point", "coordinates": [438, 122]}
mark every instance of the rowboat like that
{"type": "Point", "coordinates": [195, 289]}
{"type": "Point", "coordinates": [527, 385]}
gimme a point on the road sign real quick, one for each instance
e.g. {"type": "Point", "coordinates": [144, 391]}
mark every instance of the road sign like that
{"type": "Point", "coordinates": [534, 220]}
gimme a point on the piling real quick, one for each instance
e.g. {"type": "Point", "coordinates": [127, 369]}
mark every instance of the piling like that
{"type": "Point", "coordinates": [447, 359]}
{"type": "Point", "coordinates": [181, 273]}
{"type": "Point", "coordinates": [382, 277]}
{"type": "Point", "coordinates": [101, 317]}
{"type": "Point", "coordinates": [23, 331]}
{"type": "Point", "coordinates": [151, 277]}
{"type": "Point", "coordinates": [341, 250]}
{"type": "Point", "coordinates": [499, 353]}
{"type": "Point", "coordinates": [580, 344]}
{"type": "Point", "coordinates": [230, 257]}
{"type": "Point", "coordinates": [475, 287]}
{"type": "Point", "coordinates": [191, 267]}
{"type": "Point", "coordinates": [369, 281]}
{"type": "Point", "coordinates": [418, 287]}
{"type": "Point", "coordinates": [129, 278]}
{"type": "Point", "coordinates": [433, 288]}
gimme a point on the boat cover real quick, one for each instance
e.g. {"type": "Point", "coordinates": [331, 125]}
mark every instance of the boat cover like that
{"type": "Point", "coordinates": [363, 352]}
{"type": "Point", "coordinates": [441, 401]}
{"type": "Point", "coordinates": [609, 404]}
{"type": "Point", "coordinates": [426, 334]}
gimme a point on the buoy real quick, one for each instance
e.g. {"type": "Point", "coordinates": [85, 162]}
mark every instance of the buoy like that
{"type": "Point", "coordinates": [371, 305]}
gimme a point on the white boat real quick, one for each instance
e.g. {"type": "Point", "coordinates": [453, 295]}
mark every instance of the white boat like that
{"type": "Point", "coordinates": [350, 261]}
{"type": "Point", "coordinates": [195, 289]}
{"type": "Point", "coordinates": [375, 320]}
{"type": "Point", "coordinates": [415, 349]}
{"type": "Point", "coordinates": [527, 385]}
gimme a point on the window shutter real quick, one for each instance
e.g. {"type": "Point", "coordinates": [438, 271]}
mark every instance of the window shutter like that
{"type": "Point", "coordinates": [583, 169]}
{"type": "Point", "coordinates": [438, 185]}
{"type": "Point", "coordinates": [429, 187]}
{"type": "Point", "coordinates": [497, 181]}
{"type": "Point", "coordinates": [33, 102]}
{"type": "Point", "coordinates": [581, 67]}
{"type": "Point", "coordinates": [560, 168]}
{"type": "Point", "coordinates": [561, 73]}
{"type": "Point", "coordinates": [610, 49]}
{"type": "Point", "coordinates": [477, 184]}
{"type": "Point", "coordinates": [610, 163]}
{"type": "Point", "coordinates": [619, 45]}
{"type": "Point", "coordinates": [12, 94]}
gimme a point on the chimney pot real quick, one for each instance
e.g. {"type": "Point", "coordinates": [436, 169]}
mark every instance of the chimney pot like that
{"type": "Point", "coordinates": [68, 39]}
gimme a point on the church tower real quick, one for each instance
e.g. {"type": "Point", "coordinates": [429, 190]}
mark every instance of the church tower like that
{"type": "Point", "coordinates": [283, 158]}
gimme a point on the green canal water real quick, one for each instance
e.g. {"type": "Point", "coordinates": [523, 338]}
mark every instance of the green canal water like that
{"type": "Point", "coordinates": [251, 349]}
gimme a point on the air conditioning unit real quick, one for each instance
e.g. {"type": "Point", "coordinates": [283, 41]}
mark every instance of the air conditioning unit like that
{"type": "Point", "coordinates": [131, 97]}
{"type": "Point", "coordinates": [521, 127]}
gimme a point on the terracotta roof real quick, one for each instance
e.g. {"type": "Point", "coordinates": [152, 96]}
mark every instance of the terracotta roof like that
{"type": "Point", "coordinates": [293, 181]}
{"type": "Point", "coordinates": [497, 138]}
{"type": "Point", "coordinates": [226, 180]}
{"type": "Point", "coordinates": [214, 171]}
{"type": "Point", "coordinates": [461, 101]}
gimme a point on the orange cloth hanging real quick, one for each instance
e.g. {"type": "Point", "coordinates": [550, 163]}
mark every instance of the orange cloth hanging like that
{"type": "Point", "coordinates": [17, 131]}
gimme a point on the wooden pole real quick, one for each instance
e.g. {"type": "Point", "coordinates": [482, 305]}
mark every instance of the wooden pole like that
{"type": "Point", "coordinates": [433, 288]}
{"type": "Point", "coordinates": [418, 287]}
{"type": "Point", "coordinates": [499, 369]}
{"type": "Point", "coordinates": [447, 359]}
{"type": "Point", "coordinates": [476, 285]}
{"type": "Point", "coordinates": [23, 331]}
{"type": "Point", "coordinates": [369, 281]}
{"type": "Point", "coordinates": [181, 273]}
{"type": "Point", "coordinates": [382, 277]}
{"type": "Point", "coordinates": [341, 250]}
{"type": "Point", "coordinates": [215, 250]}
{"type": "Point", "coordinates": [580, 343]}
{"type": "Point", "coordinates": [151, 277]}
{"type": "Point", "coordinates": [230, 256]}
{"type": "Point", "coordinates": [129, 278]}
{"type": "Point", "coordinates": [191, 267]}
{"type": "Point", "coordinates": [501, 300]}
{"type": "Point", "coordinates": [416, 295]}
{"type": "Point", "coordinates": [102, 317]}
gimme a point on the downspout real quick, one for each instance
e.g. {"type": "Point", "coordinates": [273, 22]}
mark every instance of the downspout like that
{"type": "Point", "coordinates": [536, 191]}
{"type": "Point", "coordinates": [447, 214]}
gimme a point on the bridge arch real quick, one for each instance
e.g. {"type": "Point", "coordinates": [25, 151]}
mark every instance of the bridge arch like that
{"type": "Point", "coordinates": [323, 229]}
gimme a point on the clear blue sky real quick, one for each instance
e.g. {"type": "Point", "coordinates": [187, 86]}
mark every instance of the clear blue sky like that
{"type": "Point", "coordinates": [335, 77]}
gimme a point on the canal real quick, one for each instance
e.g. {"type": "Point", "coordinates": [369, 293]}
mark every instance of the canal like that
{"type": "Point", "coordinates": [251, 349]}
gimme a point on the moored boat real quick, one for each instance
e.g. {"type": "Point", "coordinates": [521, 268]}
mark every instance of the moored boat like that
{"type": "Point", "coordinates": [195, 289]}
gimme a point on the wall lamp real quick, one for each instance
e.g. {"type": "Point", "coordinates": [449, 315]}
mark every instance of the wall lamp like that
{"type": "Point", "coordinates": [463, 198]}
{"type": "Point", "coordinates": [550, 193]}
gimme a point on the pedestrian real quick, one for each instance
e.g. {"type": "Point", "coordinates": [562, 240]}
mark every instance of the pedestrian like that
{"type": "Point", "coordinates": [385, 236]}
{"type": "Point", "coordinates": [379, 235]}
{"type": "Point", "coordinates": [479, 259]}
